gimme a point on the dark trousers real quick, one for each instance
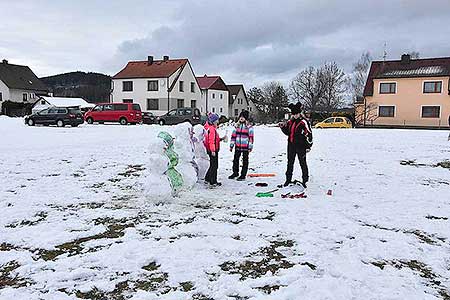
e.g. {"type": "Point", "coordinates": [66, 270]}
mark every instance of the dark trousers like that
{"type": "Point", "coordinates": [292, 153]}
{"type": "Point", "coordinates": [211, 175]}
{"type": "Point", "coordinates": [237, 158]}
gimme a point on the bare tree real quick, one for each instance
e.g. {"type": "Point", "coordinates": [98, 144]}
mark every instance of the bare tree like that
{"type": "Point", "coordinates": [414, 54]}
{"type": "Point", "coordinates": [307, 88]}
{"type": "Point", "coordinates": [270, 100]}
{"type": "Point", "coordinates": [275, 100]}
{"type": "Point", "coordinates": [359, 76]}
{"type": "Point", "coordinates": [334, 83]}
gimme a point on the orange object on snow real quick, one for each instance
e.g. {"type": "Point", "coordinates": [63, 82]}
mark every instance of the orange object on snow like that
{"type": "Point", "coordinates": [262, 175]}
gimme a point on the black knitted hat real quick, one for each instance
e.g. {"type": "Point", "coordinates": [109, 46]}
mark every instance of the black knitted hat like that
{"type": "Point", "coordinates": [295, 108]}
{"type": "Point", "coordinates": [244, 114]}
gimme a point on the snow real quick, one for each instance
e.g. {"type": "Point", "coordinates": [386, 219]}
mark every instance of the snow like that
{"type": "Point", "coordinates": [84, 214]}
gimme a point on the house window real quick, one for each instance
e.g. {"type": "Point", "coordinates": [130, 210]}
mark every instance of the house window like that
{"type": "Point", "coordinates": [250, 109]}
{"type": "Point", "coordinates": [127, 100]}
{"type": "Point", "coordinates": [152, 104]}
{"type": "Point", "coordinates": [432, 87]}
{"type": "Point", "coordinates": [152, 85]}
{"type": "Point", "coordinates": [214, 96]}
{"type": "Point", "coordinates": [193, 103]}
{"type": "Point", "coordinates": [127, 86]}
{"type": "Point", "coordinates": [180, 103]}
{"type": "Point", "coordinates": [236, 112]}
{"type": "Point", "coordinates": [431, 111]}
{"type": "Point", "coordinates": [386, 111]}
{"type": "Point", "coordinates": [221, 96]}
{"type": "Point", "coordinates": [25, 97]}
{"type": "Point", "coordinates": [1, 96]}
{"type": "Point", "coordinates": [213, 110]}
{"type": "Point", "coordinates": [193, 87]}
{"type": "Point", "coordinates": [181, 86]}
{"type": "Point", "coordinates": [388, 88]}
{"type": "Point", "coordinates": [221, 109]}
{"type": "Point", "coordinates": [42, 102]}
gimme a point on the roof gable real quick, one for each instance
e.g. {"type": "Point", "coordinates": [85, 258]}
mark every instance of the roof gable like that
{"type": "Point", "coordinates": [429, 67]}
{"type": "Point", "coordinates": [157, 69]}
{"type": "Point", "coordinates": [212, 83]}
{"type": "Point", "coordinates": [234, 90]}
{"type": "Point", "coordinates": [20, 77]}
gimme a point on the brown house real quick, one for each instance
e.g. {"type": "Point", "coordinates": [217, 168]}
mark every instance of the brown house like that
{"type": "Point", "coordinates": [406, 93]}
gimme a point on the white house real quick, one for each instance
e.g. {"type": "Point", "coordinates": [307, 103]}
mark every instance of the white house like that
{"type": "Point", "coordinates": [157, 85]}
{"type": "Point", "coordinates": [46, 102]}
{"type": "Point", "coordinates": [19, 87]}
{"type": "Point", "coordinates": [215, 95]}
{"type": "Point", "coordinates": [238, 101]}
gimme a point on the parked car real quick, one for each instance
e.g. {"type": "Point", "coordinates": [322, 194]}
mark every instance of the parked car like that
{"type": "Point", "coordinates": [59, 116]}
{"type": "Point", "coordinates": [148, 118]}
{"type": "Point", "coordinates": [123, 113]}
{"type": "Point", "coordinates": [335, 122]}
{"type": "Point", "coordinates": [180, 115]}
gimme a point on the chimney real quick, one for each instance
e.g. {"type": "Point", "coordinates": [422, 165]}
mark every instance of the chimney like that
{"type": "Point", "coordinates": [149, 60]}
{"type": "Point", "coordinates": [406, 59]}
{"type": "Point", "coordinates": [166, 57]}
{"type": "Point", "coordinates": [5, 61]}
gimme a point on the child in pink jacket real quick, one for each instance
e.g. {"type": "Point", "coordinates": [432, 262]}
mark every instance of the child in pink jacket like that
{"type": "Point", "coordinates": [212, 145]}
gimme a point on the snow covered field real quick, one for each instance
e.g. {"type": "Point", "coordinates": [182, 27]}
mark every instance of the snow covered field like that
{"type": "Point", "coordinates": [76, 224]}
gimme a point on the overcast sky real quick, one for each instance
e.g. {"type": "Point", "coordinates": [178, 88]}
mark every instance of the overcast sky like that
{"type": "Point", "coordinates": [246, 42]}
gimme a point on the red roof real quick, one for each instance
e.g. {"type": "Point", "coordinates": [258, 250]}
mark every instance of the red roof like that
{"type": "Point", "coordinates": [205, 82]}
{"type": "Point", "coordinates": [429, 67]}
{"type": "Point", "coordinates": [158, 69]}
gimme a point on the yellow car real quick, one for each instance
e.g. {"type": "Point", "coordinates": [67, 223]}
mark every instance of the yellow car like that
{"type": "Point", "coordinates": [335, 122]}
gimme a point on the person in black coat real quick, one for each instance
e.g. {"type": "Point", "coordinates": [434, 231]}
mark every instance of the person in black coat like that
{"type": "Point", "coordinates": [299, 135]}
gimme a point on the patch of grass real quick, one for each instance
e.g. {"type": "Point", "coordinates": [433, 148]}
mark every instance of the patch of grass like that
{"type": "Point", "coordinates": [420, 268]}
{"type": "Point", "coordinates": [268, 289]}
{"type": "Point", "coordinates": [412, 163]}
{"type": "Point", "coordinates": [444, 164]}
{"type": "Point", "coordinates": [115, 229]}
{"type": "Point", "coordinates": [272, 260]}
{"type": "Point", "coordinates": [428, 238]}
{"type": "Point", "coordinates": [187, 286]}
{"type": "Point", "coordinates": [132, 170]}
{"type": "Point", "coordinates": [151, 267]}
{"type": "Point", "coordinates": [267, 216]}
{"type": "Point", "coordinates": [201, 297]}
{"type": "Point", "coordinates": [436, 218]}
{"type": "Point", "coordinates": [7, 247]}
{"type": "Point", "coordinates": [39, 217]}
{"type": "Point", "coordinates": [7, 279]}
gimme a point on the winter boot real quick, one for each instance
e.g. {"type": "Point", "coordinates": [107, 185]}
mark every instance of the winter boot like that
{"type": "Point", "coordinates": [233, 176]}
{"type": "Point", "coordinates": [241, 178]}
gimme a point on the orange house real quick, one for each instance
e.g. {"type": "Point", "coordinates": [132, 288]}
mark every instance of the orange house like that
{"type": "Point", "coordinates": [406, 93]}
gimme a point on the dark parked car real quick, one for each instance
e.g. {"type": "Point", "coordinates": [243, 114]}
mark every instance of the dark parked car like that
{"type": "Point", "coordinates": [148, 118]}
{"type": "Point", "coordinates": [180, 115]}
{"type": "Point", "coordinates": [59, 116]}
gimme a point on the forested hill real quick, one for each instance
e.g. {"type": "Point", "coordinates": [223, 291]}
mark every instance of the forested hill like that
{"type": "Point", "coordinates": [93, 87]}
